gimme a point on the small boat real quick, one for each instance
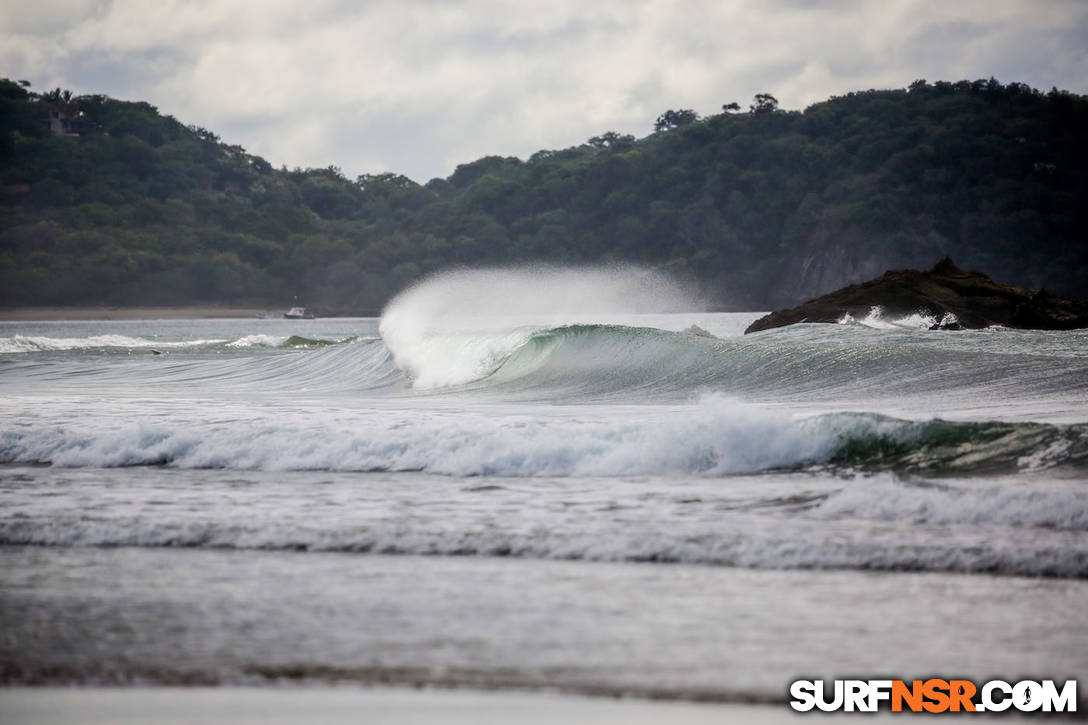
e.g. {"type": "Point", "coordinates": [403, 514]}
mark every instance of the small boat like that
{"type": "Point", "coordinates": [298, 313]}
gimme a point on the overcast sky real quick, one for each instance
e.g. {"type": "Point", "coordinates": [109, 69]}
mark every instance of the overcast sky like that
{"type": "Point", "coordinates": [419, 86]}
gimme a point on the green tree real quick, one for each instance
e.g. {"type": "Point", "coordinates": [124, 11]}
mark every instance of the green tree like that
{"type": "Point", "coordinates": [758, 209]}
{"type": "Point", "coordinates": [764, 103]}
{"type": "Point", "coordinates": [669, 120]}
{"type": "Point", "coordinates": [612, 140]}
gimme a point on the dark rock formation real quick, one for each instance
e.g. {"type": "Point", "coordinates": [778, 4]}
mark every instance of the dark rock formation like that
{"type": "Point", "coordinates": [973, 299]}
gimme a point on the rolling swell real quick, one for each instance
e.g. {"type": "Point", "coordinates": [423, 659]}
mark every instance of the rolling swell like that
{"type": "Point", "coordinates": [126, 343]}
{"type": "Point", "coordinates": [1043, 552]}
{"type": "Point", "coordinates": [256, 364]}
{"type": "Point", "coordinates": [879, 522]}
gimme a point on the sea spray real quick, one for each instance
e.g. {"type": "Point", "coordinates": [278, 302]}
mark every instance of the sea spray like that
{"type": "Point", "coordinates": [920, 320]}
{"type": "Point", "coordinates": [456, 327]}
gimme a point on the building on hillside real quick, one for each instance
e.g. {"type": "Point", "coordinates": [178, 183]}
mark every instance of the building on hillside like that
{"type": "Point", "coordinates": [69, 123]}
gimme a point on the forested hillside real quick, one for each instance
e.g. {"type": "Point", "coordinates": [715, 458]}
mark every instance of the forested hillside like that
{"type": "Point", "coordinates": [762, 208]}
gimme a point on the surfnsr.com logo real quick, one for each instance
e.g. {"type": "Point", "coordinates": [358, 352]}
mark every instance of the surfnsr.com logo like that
{"type": "Point", "coordinates": [933, 695]}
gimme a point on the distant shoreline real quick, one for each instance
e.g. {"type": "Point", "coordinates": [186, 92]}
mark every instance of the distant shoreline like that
{"type": "Point", "coordinates": [49, 314]}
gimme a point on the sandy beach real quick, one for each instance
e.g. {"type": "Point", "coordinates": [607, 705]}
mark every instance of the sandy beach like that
{"type": "Point", "coordinates": [326, 706]}
{"type": "Point", "coordinates": [49, 314]}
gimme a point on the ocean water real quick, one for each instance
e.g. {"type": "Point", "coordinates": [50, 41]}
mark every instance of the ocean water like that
{"type": "Point", "coordinates": [601, 501]}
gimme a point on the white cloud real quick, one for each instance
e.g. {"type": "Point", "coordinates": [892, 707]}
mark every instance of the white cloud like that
{"type": "Point", "coordinates": [418, 86]}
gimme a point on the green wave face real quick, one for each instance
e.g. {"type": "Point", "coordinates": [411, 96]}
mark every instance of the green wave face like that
{"type": "Point", "coordinates": [299, 341]}
{"type": "Point", "coordinates": [616, 362]}
{"type": "Point", "coordinates": [940, 447]}
{"type": "Point", "coordinates": [613, 360]}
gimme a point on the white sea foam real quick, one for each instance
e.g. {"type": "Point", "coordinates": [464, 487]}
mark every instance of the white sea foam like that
{"type": "Point", "coordinates": [718, 436]}
{"type": "Point", "coordinates": [749, 545]}
{"type": "Point", "coordinates": [259, 340]}
{"type": "Point", "coordinates": [876, 320]}
{"type": "Point", "coordinates": [921, 528]}
{"type": "Point", "coordinates": [887, 498]}
{"type": "Point", "coordinates": [27, 343]}
{"type": "Point", "coordinates": [455, 327]}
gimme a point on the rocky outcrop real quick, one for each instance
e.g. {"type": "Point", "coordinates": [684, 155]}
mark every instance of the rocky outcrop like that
{"type": "Point", "coordinates": [954, 298]}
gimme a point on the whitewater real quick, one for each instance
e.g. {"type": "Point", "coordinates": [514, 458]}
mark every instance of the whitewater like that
{"type": "Point", "coordinates": [541, 479]}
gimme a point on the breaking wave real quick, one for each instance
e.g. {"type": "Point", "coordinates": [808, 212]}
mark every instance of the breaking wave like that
{"type": "Point", "coordinates": [287, 341]}
{"type": "Point", "coordinates": [715, 437]}
{"type": "Point", "coordinates": [456, 327]}
{"type": "Point", "coordinates": [582, 361]}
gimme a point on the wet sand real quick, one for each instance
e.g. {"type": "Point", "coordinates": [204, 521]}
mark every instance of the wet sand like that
{"type": "Point", "coordinates": [386, 706]}
{"type": "Point", "coordinates": [374, 706]}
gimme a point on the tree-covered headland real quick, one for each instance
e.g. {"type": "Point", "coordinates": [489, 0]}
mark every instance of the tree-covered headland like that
{"type": "Point", "coordinates": [107, 201]}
